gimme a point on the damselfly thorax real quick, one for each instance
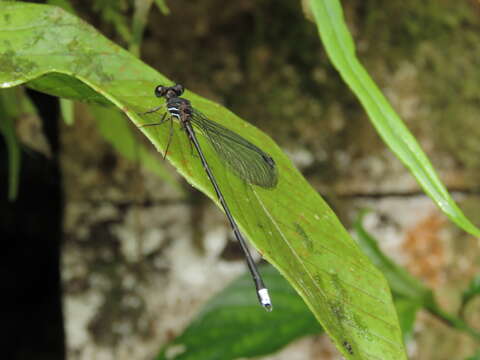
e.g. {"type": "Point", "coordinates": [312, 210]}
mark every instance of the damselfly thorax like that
{"type": "Point", "coordinates": [180, 108]}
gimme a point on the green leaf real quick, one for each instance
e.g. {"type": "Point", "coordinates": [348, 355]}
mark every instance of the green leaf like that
{"type": "Point", "coordinates": [472, 291]}
{"type": "Point", "coordinates": [232, 325]}
{"type": "Point", "coordinates": [67, 111]}
{"type": "Point", "coordinates": [226, 328]}
{"type": "Point", "coordinates": [407, 312]}
{"type": "Point", "coordinates": [341, 50]}
{"type": "Point", "coordinates": [8, 111]}
{"type": "Point", "coordinates": [140, 18]}
{"type": "Point", "coordinates": [114, 128]}
{"type": "Point", "coordinates": [162, 6]}
{"type": "Point", "coordinates": [291, 225]}
{"type": "Point", "coordinates": [114, 12]}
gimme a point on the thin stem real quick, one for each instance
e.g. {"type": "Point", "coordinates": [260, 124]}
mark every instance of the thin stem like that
{"type": "Point", "coordinates": [451, 320]}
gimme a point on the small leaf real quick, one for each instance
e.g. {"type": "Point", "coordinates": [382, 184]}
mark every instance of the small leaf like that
{"type": "Point", "coordinates": [67, 111]}
{"type": "Point", "coordinates": [140, 18]}
{"type": "Point", "coordinates": [162, 5]}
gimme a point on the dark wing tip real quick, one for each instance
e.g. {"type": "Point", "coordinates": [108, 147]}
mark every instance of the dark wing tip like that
{"type": "Point", "coordinates": [272, 179]}
{"type": "Point", "coordinates": [269, 160]}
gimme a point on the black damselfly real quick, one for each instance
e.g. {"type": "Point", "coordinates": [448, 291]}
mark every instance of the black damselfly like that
{"type": "Point", "coordinates": [243, 158]}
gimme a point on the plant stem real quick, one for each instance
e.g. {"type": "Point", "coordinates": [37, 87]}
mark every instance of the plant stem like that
{"type": "Point", "coordinates": [451, 320]}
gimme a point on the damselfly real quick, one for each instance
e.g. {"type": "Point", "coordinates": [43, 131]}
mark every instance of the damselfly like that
{"type": "Point", "coordinates": [244, 159]}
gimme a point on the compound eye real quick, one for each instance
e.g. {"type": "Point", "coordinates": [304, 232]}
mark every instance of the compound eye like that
{"type": "Point", "coordinates": [160, 91]}
{"type": "Point", "coordinates": [178, 89]}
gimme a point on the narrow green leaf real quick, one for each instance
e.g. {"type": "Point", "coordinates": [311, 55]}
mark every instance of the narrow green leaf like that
{"type": "Point", "coordinates": [471, 292]}
{"type": "Point", "coordinates": [140, 18]}
{"type": "Point", "coordinates": [67, 111]}
{"type": "Point", "coordinates": [162, 6]}
{"type": "Point", "coordinates": [232, 325]}
{"type": "Point", "coordinates": [114, 12]}
{"type": "Point", "coordinates": [291, 224]}
{"type": "Point", "coordinates": [7, 128]}
{"type": "Point", "coordinates": [340, 48]}
{"type": "Point", "coordinates": [407, 312]}
{"type": "Point", "coordinates": [114, 128]}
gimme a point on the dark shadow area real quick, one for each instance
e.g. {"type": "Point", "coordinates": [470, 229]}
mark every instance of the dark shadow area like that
{"type": "Point", "coordinates": [30, 231]}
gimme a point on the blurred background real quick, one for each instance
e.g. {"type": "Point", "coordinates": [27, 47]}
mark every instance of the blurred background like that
{"type": "Point", "coordinates": [123, 260]}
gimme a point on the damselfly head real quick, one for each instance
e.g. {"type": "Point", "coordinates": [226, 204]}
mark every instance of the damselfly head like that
{"type": "Point", "coordinates": [169, 91]}
{"type": "Point", "coordinates": [178, 89]}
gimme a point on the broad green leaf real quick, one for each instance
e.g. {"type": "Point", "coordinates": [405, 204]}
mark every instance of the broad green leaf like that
{"type": "Point", "coordinates": [341, 50]}
{"type": "Point", "coordinates": [113, 127]}
{"type": "Point", "coordinates": [8, 111]}
{"type": "Point", "coordinates": [232, 325]}
{"type": "Point", "coordinates": [291, 225]}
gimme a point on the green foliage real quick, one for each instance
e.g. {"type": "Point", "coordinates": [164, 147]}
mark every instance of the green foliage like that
{"type": "Point", "coordinates": [112, 12]}
{"type": "Point", "coordinates": [341, 50]}
{"type": "Point", "coordinates": [140, 18]}
{"type": "Point", "coordinates": [232, 325]}
{"type": "Point", "coordinates": [162, 6]}
{"type": "Point", "coordinates": [407, 311]}
{"type": "Point", "coordinates": [438, 41]}
{"type": "Point", "coordinates": [53, 52]}
{"type": "Point", "coordinates": [409, 293]}
{"type": "Point", "coordinates": [67, 111]}
{"type": "Point", "coordinates": [291, 225]}
{"type": "Point", "coordinates": [471, 292]}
